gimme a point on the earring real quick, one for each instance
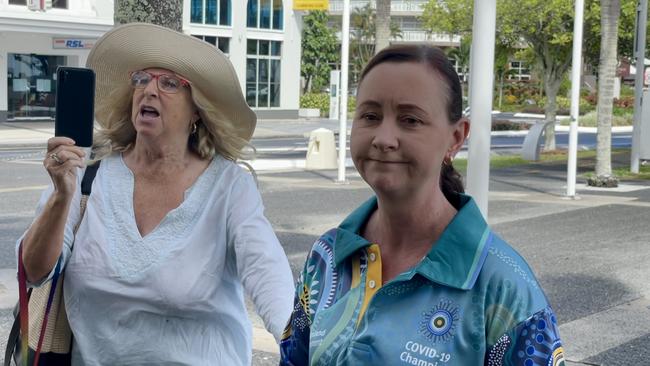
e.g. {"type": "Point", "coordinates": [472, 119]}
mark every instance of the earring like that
{"type": "Point", "coordinates": [447, 160]}
{"type": "Point", "coordinates": [193, 128]}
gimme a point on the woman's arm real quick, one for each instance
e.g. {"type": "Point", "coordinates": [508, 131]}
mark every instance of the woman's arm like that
{"type": "Point", "coordinates": [294, 345]}
{"type": "Point", "coordinates": [261, 262]}
{"type": "Point", "coordinates": [42, 243]}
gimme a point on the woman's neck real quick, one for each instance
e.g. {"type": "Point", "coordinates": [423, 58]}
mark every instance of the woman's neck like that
{"type": "Point", "coordinates": [406, 230]}
{"type": "Point", "coordinates": [407, 224]}
{"type": "Point", "coordinates": [149, 156]}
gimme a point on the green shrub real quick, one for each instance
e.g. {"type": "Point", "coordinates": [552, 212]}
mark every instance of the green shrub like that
{"type": "Point", "coordinates": [505, 125]}
{"type": "Point", "coordinates": [560, 101]}
{"type": "Point", "coordinates": [510, 99]}
{"type": "Point", "coordinates": [352, 103]}
{"type": "Point", "coordinates": [627, 91]}
{"type": "Point", "coordinates": [316, 100]}
{"type": "Point", "coordinates": [322, 101]}
{"type": "Point", "coordinates": [521, 90]}
{"type": "Point", "coordinates": [621, 111]}
{"type": "Point", "coordinates": [564, 105]}
{"type": "Point", "coordinates": [565, 86]}
{"type": "Point", "coordinates": [591, 119]}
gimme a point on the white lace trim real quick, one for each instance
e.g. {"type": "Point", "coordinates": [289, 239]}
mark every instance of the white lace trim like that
{"type": "Point", "coordinates": [131, 254]}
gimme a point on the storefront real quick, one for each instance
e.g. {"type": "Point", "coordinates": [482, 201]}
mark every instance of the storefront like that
{"type": "Point", "coordinates": [261, 38]}
{"type": "Point", "coordinates": [33, 44]}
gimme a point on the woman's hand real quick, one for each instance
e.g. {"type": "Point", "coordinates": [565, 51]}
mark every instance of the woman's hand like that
{"type": "Point", "coordinates": [61, 162]}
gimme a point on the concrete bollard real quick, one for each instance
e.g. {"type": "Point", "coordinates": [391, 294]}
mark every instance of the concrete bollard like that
{"type": "Point", "coordinates": [321, 151]}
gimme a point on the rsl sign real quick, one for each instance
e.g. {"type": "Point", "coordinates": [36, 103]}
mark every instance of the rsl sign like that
{"type": "Point", "coordinates": [73, 43]}
{"type": "Point", "coordinates": [310, 4]}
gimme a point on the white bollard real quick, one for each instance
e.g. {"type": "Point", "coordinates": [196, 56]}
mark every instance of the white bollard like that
{"type": "Point", "coordinates": [321, 151]}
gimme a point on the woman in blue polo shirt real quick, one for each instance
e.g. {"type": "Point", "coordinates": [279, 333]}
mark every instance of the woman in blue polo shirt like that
{"type": "Point", "coordinates": [415, 276]}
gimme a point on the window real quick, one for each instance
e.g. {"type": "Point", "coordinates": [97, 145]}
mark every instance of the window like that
{"type": "Point", "coordinates": [263, 73]}
{"type": "Point", "coordinates": [222, 43]}
{"type": "Point", "coordinates": [217, 12]}
{"type": "Point", "coordinates": [265, 14]}
{"type": "Point", "coordinates": [56, 4]}
{"type": "Point", "coordinates": [409, 24]}
{"type": "Point", "coordinates": [519, 71]}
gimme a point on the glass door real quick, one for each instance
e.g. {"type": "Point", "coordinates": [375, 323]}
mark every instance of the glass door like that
{"type": "Point", "coordinates": [31, 85]}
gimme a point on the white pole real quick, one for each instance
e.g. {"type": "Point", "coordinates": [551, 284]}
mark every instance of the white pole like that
{"type": "Point", "coordinates": [480, 101]}
{"type": "Point", "coordinates": [343, 109]}
{"type": "Point", "coordinates": [575, 99]}
{"type": "Point", "coordinates": [639, 46]}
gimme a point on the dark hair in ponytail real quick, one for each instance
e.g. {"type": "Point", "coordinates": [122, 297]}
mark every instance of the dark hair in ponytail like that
{"type": "Point", "coordinates": [451, 181]}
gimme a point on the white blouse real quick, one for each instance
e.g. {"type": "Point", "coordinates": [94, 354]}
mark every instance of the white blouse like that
{"type": "Point", "coordinates": [174, 296]}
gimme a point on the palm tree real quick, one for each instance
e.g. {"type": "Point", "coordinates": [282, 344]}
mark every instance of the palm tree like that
{"type": "Point", "coordinates": [363, 30]}
{"type": "Point", "coordinates": [461, 54]}
{"type": "Point", "coordinates": [502, 69]}
{"type": "Point", "coordinates": [383, 26]}
{"type": "Point", "coordinates": [167, 13]}
{"type": "Point", "coordinates": [610, 11]}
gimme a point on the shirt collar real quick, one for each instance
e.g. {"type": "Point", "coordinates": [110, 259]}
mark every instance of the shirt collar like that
{"type": "Point", "coordinates": [455, 260]}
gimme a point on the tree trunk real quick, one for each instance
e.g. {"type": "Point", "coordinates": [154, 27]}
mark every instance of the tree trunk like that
{"type": "Point", "coordinates": [167, 13]}
{"type": "Point", "coordinates": [551, 86]}
{"type": "Point", "coordinates": [382, 24]}
{"type": "Point", "coordinates": [500, 90]}
{"type": "Point", "coordinates": [609, 14]}
{"type": "Point", "coordinates": [307, 87]}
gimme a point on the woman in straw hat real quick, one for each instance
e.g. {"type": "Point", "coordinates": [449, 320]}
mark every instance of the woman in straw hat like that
{"type": "Point", "coordinates": [415, 276]}
{"type": "Point", "coordinates": [174, 232]}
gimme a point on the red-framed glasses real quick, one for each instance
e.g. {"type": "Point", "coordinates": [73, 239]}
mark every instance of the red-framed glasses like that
{"type": "Point", "coordinates": [168, 83]}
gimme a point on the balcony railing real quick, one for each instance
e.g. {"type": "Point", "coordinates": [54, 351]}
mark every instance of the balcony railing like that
{"type": "Point", "coordinates": [396, 6]}
{"type": "Point", "coordinates": [422, 36]}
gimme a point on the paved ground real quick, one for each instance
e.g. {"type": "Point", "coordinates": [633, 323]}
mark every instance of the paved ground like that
{"type": "Point", "coordinates": [591, 254]}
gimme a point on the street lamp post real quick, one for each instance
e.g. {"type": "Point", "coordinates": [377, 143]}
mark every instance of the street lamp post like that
{"type": "Point", "coordinates": [480, 101]}
{"type": "Point", "coordinates": [343, 109]}
{"type": "Point", "coordinates": [639, 48]}
{"type": "Point", "coordinates": [575, 99]}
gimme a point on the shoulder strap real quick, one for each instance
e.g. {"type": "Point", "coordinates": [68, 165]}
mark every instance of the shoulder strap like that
{"type": "Point", "coordinates": [86, 187]}
{"type": "Point", "coordinates": [89, 176]}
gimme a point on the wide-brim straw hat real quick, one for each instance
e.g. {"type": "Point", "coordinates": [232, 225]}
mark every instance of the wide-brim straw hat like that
{"type": "Point", "coordinates": [138, 46]}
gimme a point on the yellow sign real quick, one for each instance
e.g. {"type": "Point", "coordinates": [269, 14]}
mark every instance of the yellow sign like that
{"type": "Point", "coordinates": [310, 4]}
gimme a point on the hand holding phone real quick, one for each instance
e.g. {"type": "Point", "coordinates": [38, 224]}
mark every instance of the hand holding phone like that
{"type": "Point", "coordinates": [75, 104]}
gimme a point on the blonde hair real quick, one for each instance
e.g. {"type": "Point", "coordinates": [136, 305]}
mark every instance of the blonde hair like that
{"type": "Point", "coordinates": [215, 134]}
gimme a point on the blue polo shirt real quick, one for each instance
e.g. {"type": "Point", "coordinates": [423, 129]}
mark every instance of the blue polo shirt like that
{"type": "Point", "coordinates": [472, 300]}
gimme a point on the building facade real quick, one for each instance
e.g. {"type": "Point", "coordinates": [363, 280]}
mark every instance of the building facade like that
{"type": "Point", "coordinates": [261, 37]}
{"type": "Point", "coordinates": [406, 15]}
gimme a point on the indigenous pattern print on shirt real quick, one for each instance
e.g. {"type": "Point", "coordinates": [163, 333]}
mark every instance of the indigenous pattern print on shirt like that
{"type": "Point", "coordinates": [472, 300]}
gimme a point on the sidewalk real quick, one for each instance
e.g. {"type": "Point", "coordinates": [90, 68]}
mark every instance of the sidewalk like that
{"type": "Point", "coordinates": [29, 133]}
{"type": "Point", "coordinates": [17, 133]}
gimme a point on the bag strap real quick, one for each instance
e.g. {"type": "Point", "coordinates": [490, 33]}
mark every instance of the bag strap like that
{"type": "Point", "coordinates": [12, 341]}
{"type": "Point", "coordinates": [86, 187]}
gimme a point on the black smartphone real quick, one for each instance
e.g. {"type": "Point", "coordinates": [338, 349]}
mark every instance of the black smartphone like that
{"type": "Point", "coordinates": [75, 104]}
